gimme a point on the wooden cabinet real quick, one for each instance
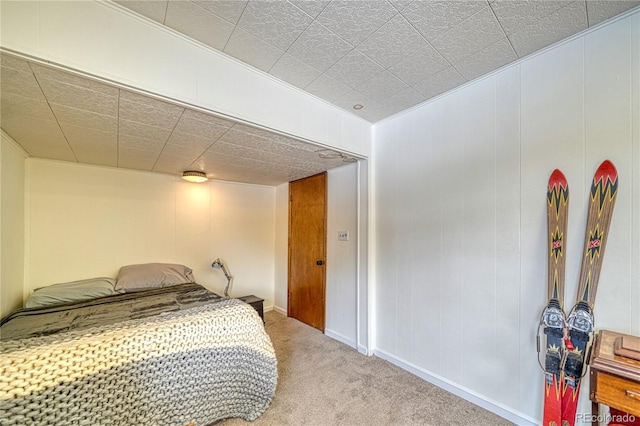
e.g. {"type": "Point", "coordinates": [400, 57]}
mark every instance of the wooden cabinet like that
{"type": "Point", "coordinates": [615, 380]}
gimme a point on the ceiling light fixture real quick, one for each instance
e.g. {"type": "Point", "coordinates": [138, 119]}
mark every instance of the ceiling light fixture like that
{"type": "Point", "coordinates": [358, 106]}
{"type": "Point", "coordinates": [194, 176]}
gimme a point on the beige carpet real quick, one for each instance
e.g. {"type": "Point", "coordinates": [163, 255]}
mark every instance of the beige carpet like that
{"type": "Point", "coordinates": [324, 382]}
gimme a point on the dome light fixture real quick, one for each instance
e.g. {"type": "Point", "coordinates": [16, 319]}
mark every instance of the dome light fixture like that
{"type": "Point", "coordinates": [194, 176]}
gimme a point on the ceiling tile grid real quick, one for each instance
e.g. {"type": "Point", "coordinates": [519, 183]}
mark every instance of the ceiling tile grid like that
{"type": "Point", "coordinates": [96, 123]}
{"type": "Point", "coordinates": [383, 55]}
{"type": "Point", "coordinates": [333, 48]}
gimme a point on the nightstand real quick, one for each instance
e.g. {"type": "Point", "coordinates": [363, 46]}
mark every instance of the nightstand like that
{"type": "Point", "coordinates": [615, 380]}
{"type": "Point", "coordinates": [256, 303]}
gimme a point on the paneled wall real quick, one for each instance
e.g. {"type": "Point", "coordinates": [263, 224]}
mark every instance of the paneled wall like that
{"type": "Point", "coordinates": [12, 225]}
{"type": "Point", "coordinates": [460, 216]}
{"type": "Point", "coordinates": [88, 221]}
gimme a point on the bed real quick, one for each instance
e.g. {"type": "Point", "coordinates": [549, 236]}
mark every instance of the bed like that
{"type": "Point", "coordinates": [174, 355]}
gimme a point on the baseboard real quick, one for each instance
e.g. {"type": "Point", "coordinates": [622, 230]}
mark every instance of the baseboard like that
{"type": "Point", "coordinates": [280, 310]}
{"type": "Point", "coordinates": [467, 394]}
{"type": "Point", "coordinates": [340, 338]}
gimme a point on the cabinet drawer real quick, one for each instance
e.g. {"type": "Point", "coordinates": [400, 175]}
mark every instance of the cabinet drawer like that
{"type": "Point", "coordinates": [619, 393]}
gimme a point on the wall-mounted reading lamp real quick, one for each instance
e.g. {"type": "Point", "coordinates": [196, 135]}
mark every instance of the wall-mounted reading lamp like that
{"type": "Point", "coordinates": [217, 264]}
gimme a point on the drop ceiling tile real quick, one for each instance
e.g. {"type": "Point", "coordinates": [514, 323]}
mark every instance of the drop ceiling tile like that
{"type": "Point", "coordinates": [294, 71]}
{"type": "Point", "coordinates": [311, 7]}
{"type": "Point", "coordinates": [252, 50]}
{"type": "Point", "coordinates": [353, 69]}
{"type": "Point", "coordinates": [172, 164]}
{"type": "Point", "coordinates": [140, 144]}
{"type": "Point", "coordinates": [439, 83]}
{"type": "Point", "coordinates": [191, 114]}
{"type": "Point", "coordinates": [230, 10]}
{"type": "Point", "coordinates": [20, 83]}
{"type": "Point", "coordinates": [130, 158]}
{"type": "Point", "coordinates": [418, 66]}
{"type": "Point", "coordinates": [351, 98]}
{"type": "Point", "coordinates": [517, 14]}
{"type": "Point", "coordinates": [392, 42]}
{"type": "Point", "coordinates": [319, 47]}
{"type": "Point", "coordinates": [191, 126]}
{"type": "Point", "coordinates": [198, 23]}
{"type": "Point", "coordinates": [95, 153]}
{"type": "Point", "coordinates": [8, 61]}
{"type": "Point", "coordinates": [279, 23]}
{"type": "Point", "coordinates": [235, 137]}
{"type": "Point", "coordinates": [191, 141]}
{"type": "Point", "coordinates": [327, 88]}
{"type": "Point", "coordinates": [298, 144]}
{"type": "Point", "coordinates": [133, 128]}
{"type": "Point", "coordinates": [80, 117]}
{"type": "Point", "coordinates": [372, 113]}
{"type": "Point", "coordinates": [434, 18]}
{"type": "Point", "coordinates": [76, 134]}
{"type": "Point", "coordinates": [488, 59]}
{"type": "Point", "coordinates": [601, 10]}
{"type": "Point", "coordinates": [53, 75]}
{"type": "Point", "coordinates": [40, 138]}
{"type": "Point", "coordinates": [404, 99]}
{"type": "Point", "coordinates": [354, 21]}
{"type": "Point", "coordinates": [470, 36]}
{"type": "Point", "coordinates": [78, 97]}
{"type": "Point", "coordinates": [400, 4]}
{"type": "Point", "coordinates": [15, 106]}
{"type": "Point", "coordinates": [550, 29]}
{"type": "Point", "coordinates": [182, 151]}
{"type": "Point", "coordinates": [154, 10]}
{"type": "Point", "coordinates": [256, 131]}
{"type": "Point", "coordinates": [381, 87]}
{"type": "Point", "coordinates": [143, 109]}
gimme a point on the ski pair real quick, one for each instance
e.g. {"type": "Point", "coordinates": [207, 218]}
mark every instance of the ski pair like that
{"type": "Point", "coordinates": [569, 339]}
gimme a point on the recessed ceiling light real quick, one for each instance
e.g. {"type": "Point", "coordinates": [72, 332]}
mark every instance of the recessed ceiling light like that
{"type": "Point", "coordinates": [194, 176]}
{"type": "Point", "coordinates": [358, 106]}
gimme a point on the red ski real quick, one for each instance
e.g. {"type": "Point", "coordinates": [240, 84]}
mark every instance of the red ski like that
{"type": "Point", "coordinates": [579, 323]}
{"type": "Point", "coordinates": [552, 321]}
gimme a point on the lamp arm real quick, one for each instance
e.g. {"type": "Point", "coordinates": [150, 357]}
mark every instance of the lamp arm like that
{"type": "Point", "coordinates": [218, 264]}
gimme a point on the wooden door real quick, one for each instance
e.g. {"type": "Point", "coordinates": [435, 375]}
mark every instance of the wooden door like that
{"type": "Point", "coordinates": [307, 250]}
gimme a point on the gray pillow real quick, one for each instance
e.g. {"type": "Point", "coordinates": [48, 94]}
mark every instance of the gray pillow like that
{"type": "Point", "coordinates": [74, 291]}
{"type": "Point", "coordinates": [152, 275]}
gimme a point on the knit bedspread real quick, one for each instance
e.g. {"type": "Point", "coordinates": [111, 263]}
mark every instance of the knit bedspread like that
{"type": "Point", "coordinates": [198, 366]}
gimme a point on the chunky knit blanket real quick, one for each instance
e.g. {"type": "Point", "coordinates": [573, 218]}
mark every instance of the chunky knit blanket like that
{"type": "Point", "coordinates": [194, 366]}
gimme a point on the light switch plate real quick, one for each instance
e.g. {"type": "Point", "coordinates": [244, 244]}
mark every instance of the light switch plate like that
{"type": "Point", "coordinates": [343, 235]}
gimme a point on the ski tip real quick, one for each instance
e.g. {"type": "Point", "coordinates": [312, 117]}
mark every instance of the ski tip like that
{"type": "Point", "coordinates": [557, 181]}
{"type": "Point", "coordinates": [606, 172]}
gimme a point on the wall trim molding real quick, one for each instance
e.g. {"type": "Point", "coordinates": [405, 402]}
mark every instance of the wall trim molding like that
{"type": "Point", "coordinates": [464, 393]}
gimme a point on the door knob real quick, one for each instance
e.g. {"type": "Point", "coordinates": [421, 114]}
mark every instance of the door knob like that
{"type": "Point", "coordinates": [319, 262]}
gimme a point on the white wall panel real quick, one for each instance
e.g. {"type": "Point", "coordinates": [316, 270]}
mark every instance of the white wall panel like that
{"type": "Point", "coordinates": [507, 254]}
{"type": "Point", "coordinates": [12, 224]}
{"type": "Point", "coordinates": [424, 161]}
{"type": "Point", "coordinates": [569, 107]}
{"type": "Point", "coordinates": [608, 112]}
{"type": "Point", "coordinates": [479, 237]}
{"type": "Point", "coordinates": [87, 221]}
{"type": "Point", "coordinates": [451, 325]}
{"type": "Point", "coordinates": [342, 261]}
